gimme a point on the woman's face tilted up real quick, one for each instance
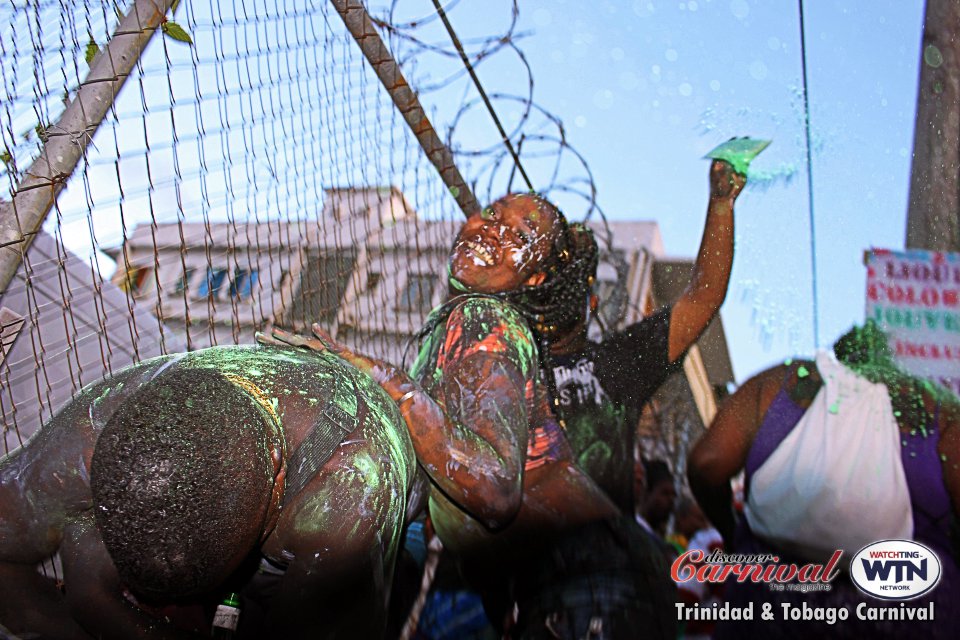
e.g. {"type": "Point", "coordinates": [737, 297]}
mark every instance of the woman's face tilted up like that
{"type": "Point", "coordinates": [508, 245]}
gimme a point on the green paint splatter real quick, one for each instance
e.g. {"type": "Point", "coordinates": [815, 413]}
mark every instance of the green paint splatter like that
{"type": "Point", "coordinates": [835, 407]}
{"type": "Point", "coordinates": [739, 152]}
{"type": "Point", "coordinates": [802, 372]}
{"type": "Point", "coordinates": [788, 362]}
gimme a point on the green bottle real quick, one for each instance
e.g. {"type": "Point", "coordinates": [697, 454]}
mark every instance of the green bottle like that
{"type": "Point", "coordinates": [226, 617]}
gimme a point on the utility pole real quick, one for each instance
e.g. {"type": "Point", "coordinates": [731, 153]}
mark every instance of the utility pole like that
{"type": "Point", "coordinates": [933, 217]}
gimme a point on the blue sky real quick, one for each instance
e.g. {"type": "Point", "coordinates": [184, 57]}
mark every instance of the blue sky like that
{"type": "Point", "coordinates": [645, 88]}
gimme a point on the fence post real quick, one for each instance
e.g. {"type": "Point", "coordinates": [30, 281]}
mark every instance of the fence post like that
{"type": "Point", "coordinates": [22, 217]}
{"type": "Point", "coordinates": [360, 26]}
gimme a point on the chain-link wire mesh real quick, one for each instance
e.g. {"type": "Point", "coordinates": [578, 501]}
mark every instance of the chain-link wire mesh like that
{"type": "Point", "coordinates": [260, 175]}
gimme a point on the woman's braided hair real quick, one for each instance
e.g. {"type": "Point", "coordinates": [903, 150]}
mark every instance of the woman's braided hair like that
{"type": "Point", "coordinates": [560, 301]}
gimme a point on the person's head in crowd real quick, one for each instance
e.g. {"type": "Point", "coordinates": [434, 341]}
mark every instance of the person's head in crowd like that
{"type": "Point", "coordinates": [864, 345]}
{"type": "Point", "coordinates": [656, 504]}
{"type": "Point", "coordinates": [865, 349]}
{"type": "Point", "coordinates": [522, 249]}
{"type": "Point", "coordinates": [183, 480]}
{"type": "Point", "coordinates": [688, 517]}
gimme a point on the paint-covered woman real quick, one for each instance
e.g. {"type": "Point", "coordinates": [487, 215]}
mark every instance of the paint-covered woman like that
{"type": "Point", "coordinates": [486, 430]}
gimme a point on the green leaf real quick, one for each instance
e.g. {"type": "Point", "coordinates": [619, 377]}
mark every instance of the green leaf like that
{"type": "Point", "coordinates": [91, 51]}
{"type": "Point", "coordinates": [176, 32]}
{"type": "Point", "coordinates": [5, 157]}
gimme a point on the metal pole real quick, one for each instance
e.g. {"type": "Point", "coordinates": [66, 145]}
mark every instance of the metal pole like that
{"type": "Point", "coordinates": [813, 226]}
{"type": "Point", "coordinates": [515, 153]}
{"type": "Point", "coordinates": [360, 26]}
{"type": "Point", "coordinates": [22, 217]}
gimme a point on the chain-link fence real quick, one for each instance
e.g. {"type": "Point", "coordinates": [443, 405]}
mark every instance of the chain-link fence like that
{"type": "Point", "coordinates": [258, 174]}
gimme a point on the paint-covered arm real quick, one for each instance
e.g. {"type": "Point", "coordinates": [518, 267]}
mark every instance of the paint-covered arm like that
{"type": "Point", "coordinates": [721, 452]}
{"type": "Point", "coordinates": [473, 445]}
{"type": "Point", "coordinates": [702, 298]}
{"type": "Point", "coordinates": [96, 598]}
{"type": "Point", "coordinates": [41, 487]}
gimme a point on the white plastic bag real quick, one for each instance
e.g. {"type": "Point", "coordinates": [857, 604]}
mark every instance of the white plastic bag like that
{"type": "Point", "coordinates": [836, 481]}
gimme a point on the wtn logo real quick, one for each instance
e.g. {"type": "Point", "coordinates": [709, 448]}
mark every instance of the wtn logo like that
{"type": "Point", "coordinates": [903, 569]}
{"type": "Point", "coordinates": [895, 569]}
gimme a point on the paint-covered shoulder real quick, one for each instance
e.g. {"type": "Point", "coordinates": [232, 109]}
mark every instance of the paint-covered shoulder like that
{"type": "Point", "coordinates": [486, 315]}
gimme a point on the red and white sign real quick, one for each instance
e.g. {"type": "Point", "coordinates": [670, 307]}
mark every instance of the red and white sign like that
{"type": "Point", "coordinates": [914, 296]}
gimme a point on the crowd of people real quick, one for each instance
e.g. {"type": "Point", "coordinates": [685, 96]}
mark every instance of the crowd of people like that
{"type": "Point", "coordinates": [492, 490]}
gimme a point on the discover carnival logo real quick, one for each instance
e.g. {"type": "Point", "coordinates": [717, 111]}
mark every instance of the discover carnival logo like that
{"type": "Point", "coordinates": [895, 569]}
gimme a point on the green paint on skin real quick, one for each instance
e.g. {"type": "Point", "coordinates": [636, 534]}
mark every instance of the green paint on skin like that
{"type": "Point", "coordinates": [386, 419]}
{"type": "Point", "coordinates": [367, 469]}
{"type": "Point", "coordinates": [345, 397]}
{"type": "Point", "coordinates": [477, 313]}
{"type": "Point", "coordinates": [788, 362]}
{"type": "Point", "coordinates": [802, 372]}
{"type": "Point", "coordinates": [835, 407]}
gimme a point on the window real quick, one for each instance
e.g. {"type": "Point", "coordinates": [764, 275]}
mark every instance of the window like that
{"type": "Point", "coordinates": [322, 283]}
{"type": "Point", "coordinates": [183, 283]}
{"type": "Point", "coordinates": [417, 293]}
{"type": "Point", "coordinates": [210, 286]}
{"type": "Point", "coordinates": [135, 279]}
{"type": "Point", "coordinates": [241, 287]}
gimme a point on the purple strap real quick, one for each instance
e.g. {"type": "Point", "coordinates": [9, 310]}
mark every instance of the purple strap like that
{"type": "Point", "coordinates": [779, 420]}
